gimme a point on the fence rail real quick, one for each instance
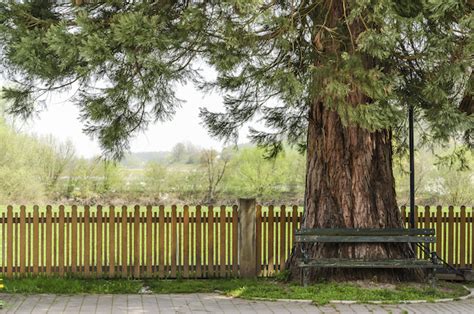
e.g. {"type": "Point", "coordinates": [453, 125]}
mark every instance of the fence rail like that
{"type": "Point", "coordinates": [197, 242]}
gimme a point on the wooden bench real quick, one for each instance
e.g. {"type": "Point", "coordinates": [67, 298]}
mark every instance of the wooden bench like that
{"type": "Point", "coordinates": [356, 235]}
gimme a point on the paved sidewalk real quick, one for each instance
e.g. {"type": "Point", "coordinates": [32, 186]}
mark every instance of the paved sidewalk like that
{"type": "Point", "coordinates": [202, 303]}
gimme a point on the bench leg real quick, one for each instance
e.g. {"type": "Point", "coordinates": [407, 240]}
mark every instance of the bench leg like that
{"type": "Point", "coordinates": [305, 276]}
{"type": "Point", "coordinates": [301, 276]}
{"type": "Point", "coordinates": [433, 278]}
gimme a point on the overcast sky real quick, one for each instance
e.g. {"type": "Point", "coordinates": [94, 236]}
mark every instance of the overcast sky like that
{"type": "Point", "coordinates": [61, 119]}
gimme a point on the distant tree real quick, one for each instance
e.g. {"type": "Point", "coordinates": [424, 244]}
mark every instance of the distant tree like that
{"type": "Point", "coordinates": [252, 175]}
{"type": "Point", "coordinates": [82, 182]}
{"type": "Point", "coordinates": [110, 177]}
{"type": "Point", "coordinates": [155, 178]}
{"type": "Point", "coordinates": [53, 158]}
{"type": "Point", "coordinates": [20, 172]}
{"type": "Point", "coordinates": [178, 152]}
{"type": "Point", "coordinates": [457, 187]}
{"type": "Point", "coordinates": [215, 166]}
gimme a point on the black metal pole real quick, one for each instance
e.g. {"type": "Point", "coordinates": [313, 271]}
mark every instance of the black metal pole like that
{"type": "Point", "coordinates": [412, 165]}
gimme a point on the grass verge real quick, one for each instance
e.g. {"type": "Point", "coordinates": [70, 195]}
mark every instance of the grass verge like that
{"type": "Point", "coordinates": [320, 293]}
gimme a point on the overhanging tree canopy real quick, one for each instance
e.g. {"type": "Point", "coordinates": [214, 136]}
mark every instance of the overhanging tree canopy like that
{"type": "Point", "coordinates": [342, 73]}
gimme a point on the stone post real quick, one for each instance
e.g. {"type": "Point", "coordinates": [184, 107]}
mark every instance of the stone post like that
{"type": "Point", "coordinates": [247, 238]}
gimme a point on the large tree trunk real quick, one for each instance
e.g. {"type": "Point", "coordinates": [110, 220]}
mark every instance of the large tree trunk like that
{"type": "Point", "coordinates": [349, 184]}
{"type": "Point", "coordinates": [349, 181]}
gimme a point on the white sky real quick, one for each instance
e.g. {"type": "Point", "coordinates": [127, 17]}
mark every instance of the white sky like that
{"type": "Point", "coordinates": [61, 119]}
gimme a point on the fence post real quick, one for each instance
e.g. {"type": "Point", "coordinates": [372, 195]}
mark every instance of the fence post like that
{"type": "Point", "coordinates": [247, 238]}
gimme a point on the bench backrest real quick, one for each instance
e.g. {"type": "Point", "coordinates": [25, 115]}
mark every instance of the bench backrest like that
{"type": "Point", "coordinates": [366, 235]}
{"type": "Point", "coordinates": [365, 231]}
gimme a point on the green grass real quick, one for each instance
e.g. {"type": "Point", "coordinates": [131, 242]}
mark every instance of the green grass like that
{"type": "Point", "coordinates": [320, 293]}
{"type": "Point", "coordinates": [56, 285]}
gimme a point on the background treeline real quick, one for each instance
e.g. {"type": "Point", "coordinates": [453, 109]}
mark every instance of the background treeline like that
{"type": "Point", "coordinates": [42, 170]}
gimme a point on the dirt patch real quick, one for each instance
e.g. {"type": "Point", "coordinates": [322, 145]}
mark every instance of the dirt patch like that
{"type": "Point", "coordinates": [367, 284]}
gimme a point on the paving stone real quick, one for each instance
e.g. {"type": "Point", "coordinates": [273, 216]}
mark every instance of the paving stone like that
{"type": "Point", "coordinates": [204, 303]}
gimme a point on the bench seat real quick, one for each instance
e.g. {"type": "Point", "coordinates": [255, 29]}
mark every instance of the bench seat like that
{"type": "Point", "coordinates": [360, 263]}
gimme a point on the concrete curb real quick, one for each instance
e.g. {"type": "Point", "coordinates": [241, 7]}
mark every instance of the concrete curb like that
{"type": "Point", "coordinates": [470, 295]}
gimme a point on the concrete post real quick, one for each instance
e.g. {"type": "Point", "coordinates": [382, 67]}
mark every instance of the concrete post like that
{"type": "Point", "coordinates": [247, 238]}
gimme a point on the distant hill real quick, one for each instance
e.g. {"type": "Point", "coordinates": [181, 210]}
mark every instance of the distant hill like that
{"type": "Point", "coordinates": [139, 159]}
{"type": "Point", "coordinates": [188, 155]}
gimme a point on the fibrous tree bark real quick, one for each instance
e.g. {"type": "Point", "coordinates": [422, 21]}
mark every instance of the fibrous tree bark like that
{"type": "Point", "coordinates": [349, 184]}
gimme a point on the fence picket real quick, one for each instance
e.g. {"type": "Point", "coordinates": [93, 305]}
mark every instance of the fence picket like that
{"type": "Point", "coordinates": [42, 242]}
{"type": "Point", "coordinates": [235, 240]}
{"type": "Point", "coordinates": [271, 262]}
{"type": "Point", "coordinates": [179, 244]}
{"type": "Point", "coordinates": [174, 225]}
{"type": "Point", "coordinates": [124, 242]}
{"type": "Point", "coordinates": [426, 222]}
{"type": "Point", "coordinates": [186, 241]}
{"type": "Point", "coordinates": [4, 243]}
{"type": "Point", "coordinates": [198, 242]}
{"type": "Point", "coordinates": [445, 235]}
{"type": "Point", "coordinates": [451, 235]}
{"type": "Point", "coordinates": [87, 241]}
{"type": "Point", "coordinates": [439, 230]}
{"type": "Point", "coordinates": [22, 239]}
{"type": "Point", "coordinates": [210, 239]}
{"type": "Point", "coordinates": [222, 242]}
{"type": "Point", "coordinates": [74, 239]}
{"type": "Point", "coordinates": [155, 245]}
{"type": "Point", "coordinates": [276, 239]}
{"type": "Point", "coordinates": [29, 247]}
{"type": "Point", "coordinates": [142, 258]}
{"type": "Point", "coordinates": [49, 239]}
{"type": "Point", "coordinates": [98, 245]}
{"type": "Point", "coordinates": [136, 242]}
{"type": "Point", "coordinates": [149, 239]}
{"type": "Point", "coordinates": [192, 241]}
{"type": "Point", "coordinates": [61, 249]}
{"type": "Point", "coordinates": [10, 241]}
{"type": "Point", "coordinates": [258, 237]}
{"type": "Point", "coordinates": [456, 239]}
{"type": "Point", "coordinates": [111, 241]}
{"type": "Point", "coordinates": [15, 246]}
{"type": "Point", "coordinates": [468, 239]}
{"type": "Point", "coordinates": [35, 248]}
{"type": "Point", "coordinates": [265, 244]}
{"type": "Point", "coordinates": [161, 263]}
{"type": "Point", "coordinates": [462, 240]}
{"type": "Point", "coordinates": [282, 237]}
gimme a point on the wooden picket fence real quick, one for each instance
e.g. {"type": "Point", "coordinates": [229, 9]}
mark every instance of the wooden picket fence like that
{"type": "Point", "coordinates": [139, 243]}
{"type": "Point", "coordinates": [197, 242]}
{"type": "Point", "coordinates": [454, 233]}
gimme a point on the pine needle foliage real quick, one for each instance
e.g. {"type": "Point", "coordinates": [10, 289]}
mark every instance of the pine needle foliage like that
{"type": "Point", "coordinates": [274, 58]}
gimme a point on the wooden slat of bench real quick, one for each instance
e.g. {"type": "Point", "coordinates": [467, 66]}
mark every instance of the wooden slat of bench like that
{"type": "Point", "coordinates": [366, 231]}
{"type": "Point", "coordinates": [364, 239]}
{"type": "Point", "coordinates": [357, 263]}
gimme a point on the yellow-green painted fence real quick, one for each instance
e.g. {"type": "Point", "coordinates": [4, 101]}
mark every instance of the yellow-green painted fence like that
{"type": "Point", "coordinates": [187, 242]}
